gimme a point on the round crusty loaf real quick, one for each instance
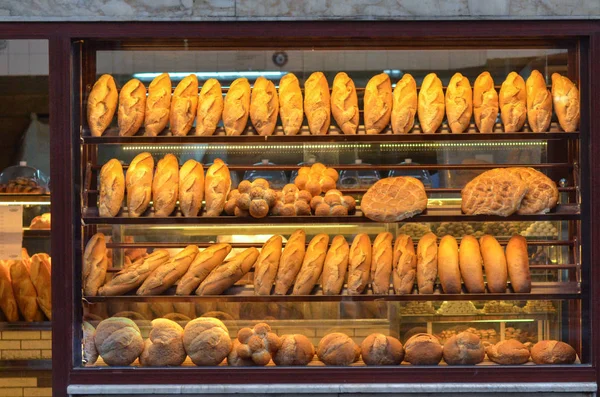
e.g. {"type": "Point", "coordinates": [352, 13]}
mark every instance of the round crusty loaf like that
{"type": "Point", "coordinates": [338, 349]}
{"type": "Point", "coordinates": [206, 340]}
{"type": "Point", "coordinates": [464, 349]}
{"type": "Point", "coordinates": [379, 349]}
{"type": "Point", "coordinates": [508, 352]}
{"type": "Point", "coordinates": [423, 349]}
{"type": "Point", "coordinates": [296, 349]}
{"type": "Point", "coordinates": [164, 346]}
{"type": "Point", "coordinates": [118, 341]}
{"type": "Point", "coordinates": [394, 199]}
{"type": "Point", "coordinates": [495, 192]}
{"type": "Point", "coordinates": [90, 354]}
{"type": "Point", "coordinates": [542, 193]}
{"type": "Point", "coordinates": [553, 352]}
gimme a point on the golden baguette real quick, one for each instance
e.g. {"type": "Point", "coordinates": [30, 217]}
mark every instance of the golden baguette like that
{"type": "Point", "coordinates": [471, 265]}
{"type": "Point", "coordinates": [95, 264]}
{"type": "Point", "coordinates": [201, 267]}
{"type": "Point", "coordinates": [404, 107]}
{"type": "Point", "coordinates": [24, 290]}
{"type": "Point", "coordinates": [335, 266]}
{"type": "Point", "coordinates": [359, 265]}
{"type": "Point", "coordinates": [167, 274]}
{"type": "Point", "coordinates": [485, 103]}
{"type": "Point", "coordinates": [8, 302]}
{"type": "Point", "coordinates": [191, 187]}
{"type": "Point", "coordinates": [217, 185]}
{"type": "Point", "coordinates": [41, 277]}
{"type": "Point", "coordinates": [264, 106]}
{"type": "Point", "coordinates": [184, 105]}
{"type": "Point", "coordinates": [265, 269]}
{"type": "Point", "coordinates": [290, 263]}
{"type": "Point", "coordinates": [539, 102]}
{"type": "Point", "coordinates": [158, 105]}
{"type": "Point", "coordinates": [236, 107]}
{"type": "Point", "coordinates": [381, 266]}
{"type": "Point", "coordinates": [565, 97]}
{"type": "Point", "coordinates": [290, 104]}
{"type": "Point", "coordinates": [404, 265]}
{"type": "Point", "coordinates": [210, 107]}
{"type": "Point", "coordinates": [378, 103]}
{"type": "Point", "coordinates": [102, 104]}
{"type": "Point", "coordinates": [448, 267]}
{"type": "Point", "coordinates": [165, 185]}
{"type": "Point", "coordinates": [228, 273]}
{"type": "Point", "coordinates": [459, 103]}
{"type": "Point", "coordinates": [517, 261]}
{"type": "Point", "coordinates": [138, 181]}
{"type": "Point", "coordinates": [494, 263]}
{"type": "Point", "coordinates": [112, 189]}
{"type": "Point", "coordinates": [431, 104]}
{"type": "Point", "coordinates": [344, 103]}
{"type": "Point", "coordinates": [513, 103]}
{"type": "Point", "coordinates": [427, 266]}
{"type": "Point", "coordinates": [312, 265]}
{"type": "Point", "coordinates": [317, 103]}
{"type": "Point", "coordinates": [132, 105]}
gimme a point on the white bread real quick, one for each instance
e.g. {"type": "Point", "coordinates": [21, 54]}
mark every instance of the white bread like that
{"type": "Point", "coordinates": [191, 187]}
{"type": "Point", "coordinates": [138, 181]}
{"type": "Point", "coordinates": [264, 106]}
{"type": "Point", "coordinates": [210, 107]}
{"type": "Point", "coordinates": [459, 103]}
{"type": "Point", "coordinates": [404, 265]}
{"type": "Point", "coordinates": [132, 105]}
{"type": "Point", "coordinates": [565, 97]}
{"type": "Point", "coordinates": [312, 265]}
{"type": "Point", "coordinates": [236, 107]}
{"type": "Point", "coordinates": [405, 105]}
{"type": "Point", "coordinates": [290, 104]}
{"type": "Point", "coordinates": [158, 105]}
{"type": "Point", "coordinates": [335, 266]}
{"type": "Point", "coordinates": [513, 102]}
{"type": "Point", "coordinates": [381, 263]}
{"type": "Point", "coordinates": [378, 103]}
{"type": "Point", "coordinates": [265, 268]}
{"type": "Point", "coordinates": [431, 104]}
{"type": "Point", "coordinates": [112, 189]}
{"type": "Point", "coordinates": [118, 341]}
{"type": "Point", "coordinates": [165, 185]}
{"type": "Point", "coordinates": [485, 103]}
{"type": "Point", "coordinates": [359, 265]}
{"type": "Point", "coordinates": [184, 105]}
{"type": "Point", "coordinates": [539, 102]}
{"type": "Point", "coordinates": [427, 266]}
{"type": "Point", "coordinates": [216, 187]}
{"type": "Point", "coordinates": [344, 103]}
{"type": "Point", "coordinates": [164, 346]}
{"type": "Point", "coordinates": [317, 103]}
{"type": "Point", "coordinates": [517, 261]}
{"type": "Point", "coordinates": [494, 263]}
{"type": "Point", "coordinates": [291, 262]}
{"type": "Point", "coordinates": [448, 268]}
{"type": "Point", "coordinates": [471, 265]}
{"type": "Point", "coordinates": [102, 104]}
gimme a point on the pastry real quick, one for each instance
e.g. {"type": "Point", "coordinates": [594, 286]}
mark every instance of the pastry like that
{"type": "Point", "coordinates": [471, 265]}
{"type": "Point", "coordinates": [517, 261]}
{"type": "Point", "coordinates": [264, 106]}
{"type": "Point", "coordinates": [427, 265]}
{"type": "Point", "coordinates": [118, 341]}
{"type": "Point", "coordinates": [359, 264]}
{"type": "Point", "coordinates": [258, 344]}
{"type": "Point", "coordinates": [210, 107]}
{"type": "Point", "coordinates": [495, 192]}
{"type": "Point", "coordinates": [317, 103]}
{"type": "Point", "coordinates": [184, 105]}
{"type": "Point", "coordinates": [423, 349]}
{"type": "Point", "coordinates": [394, 199]}
{"type": "Point", "coordinates": [513, 102]}
{"type": "Point", "coordinates": [265, 268]}
{"type": "Point", "coordinates": [508, 352]}
{"type": "Point", "coordinates": [95, 264]}
{"type": "Point", "coordinates": [167, 274]}
{"type": "Point", "coordinates": [448, 268]}
{"type": "Point", "coordinates": [138, 181]}
{"type": "Point", "coordinates": [158, 105]}
{"type": "Point", "coordinates": [338, 349]}
{"type": "Point", "coordinates": [404, 265]}
{"type": "Point", "coordinates": [290, 104]}
{"type": "Point", "coordinates": [316, 179]}
{"type": "Point", "coordinates": [381, 263]}
{"type": "Point", "coordinates": [494, 263]}
{"type": "Point", "coordinates": [291, 262]}
{"type": "Point", "coordinates": [333, 203]}
{"type": "Point", "coordinates": [312, 265]}
{"type": "Point", "coordinates": [431, 104]}
{"type": "Point", "coordinates": [112, 189]}
{"type": "Point", "coordinates": [542, 193]}
{"type": "Point", "coordinates": [236, 107]}
{"type": "Point", "coordinates": [335, 266]}
{"type": "Point", "coordinates": [133, 276]}
{"type": "Point", "coordinates": [165, 185]}
{"type": "Point", "coordinates": [164, 346]}
{"type": "Point", "coordinates": [565, 97]}
{"type": "Point", "coordinates": [216, 187]}
{"type": "Point", "coordinates": [378, 103]}
{"type": "Point", "coordinates": [463, 349]}
{"type": "Point", "coordinates": [485, 103]}
{"type": "Point", "coordinates": [41, 222]}
{"type": "Point", "coordinates": [132, 105]}
{"type": "Point", "coordinates": [553, 352]}
{"type": "Point", "coordinates": [228, 273]}
{"type": "Point", "coordinates": [404, 106]}
{"type": "Point", "coordinates": [379, 349]}
{"type": "Point", "coordinates": [191, 188]}
{"type": "Point", "coordinates": [539, 102]}
{"type": "Point", "coordinates": [206, 340]}
{"type": "Point", "coordinates": [459, 103]}
{"type": "Point", "coordinates": [102, 104]}
{"type": "Point", "coordinates": [295, 349]}
{"type": "Point", "coordinates": [344, 103]}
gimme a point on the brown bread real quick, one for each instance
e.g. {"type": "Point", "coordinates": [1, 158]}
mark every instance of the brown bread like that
{"type": "Point", "coordinates": [132, 105]}
{"type": "Point", "coordinates": [381, 266]}
{"type": "Point", "coordinates": [517, 261]}
{"type": "Point", "coordinates": [191, 188]}
{"type": "Point", "coordinates": [379, 349]}
{"type": "Point", "coordinates": [344, 103]}
{"type": "Point", "coordinates": [404, 265]}
{"type": "Point", "coordinates": [265, 268]}
{"type": "Point", "coordinates": [291, 262]}
{"type": "Point", "coordinates": [553, 352]}
{"type": "Point", "coordinates": [8, 303]}
{"type": "Point", "coordinates": [338, 349]}
{"type": "Point", "coordinates": [459, 103]}
{"type": "Point", "coordinates": [200, 268]}
{"type": "Point", "coordinates": [312, 265]}
{"type": "Point", "coordinates": [236, 107]}
{"type": "Point", "coordinates": [485, 103]}
{"type": "Point", "coordinates": [464, 348]}
{"type": "Point", "coordinates": [359, 265]}
{"type": "Point", "coordinates": [216, 187]}
{"type": "Point", "coordinates": [138, 181]}
{"type": "Point", "coordinates": [102, 104]}
{"type": "Point", "coordinates": [431, 104]}
{"type": "Point", "coordinates": [405, 105]}
{"type": "Point", "coordinates": [378, 103]}
{"type": "Point", "coordinates": [228, 273]}
{"type": "Point", "coordinates": [167, 274]}
{"type": "Point", "coordinates": [335, 266]}
{"type": "Point", "coordinates": [112, 189]}
{"type": "Point", "coordinates": [290, 104]}
{"type": "Point", "coordinates": [24, 290]}
{"type": "Point", "coordinates": [423, 349]}
{"type": "Point", "coordinates": [184, 105]}
{"type": "Point", "coordinates": [132, 277]}
{"type": "Point", "coordinates": [317, 103]}
{"type": "Point", "coordinates": [427, 266]}
{"type": "Point", "coordinates": [264, 106]}
{"type": "Point", "coordinates": [158, 105]}
{"type": "Point", "coordinates": [210, 107]}
{"type": "Point", "coordinates": [296, 349]}
{"type": "Point", "coordinates": [508, 352]}
{"type": "Point", "coordinates": [41, 277]}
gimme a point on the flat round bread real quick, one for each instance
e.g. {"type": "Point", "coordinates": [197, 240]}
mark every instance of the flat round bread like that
{"type": "Point", "coordinates": [495, 192]}
{"type": "Point", "coordinates": [394, 199]}
{"type": "Point", "coordinates": [542, 193]}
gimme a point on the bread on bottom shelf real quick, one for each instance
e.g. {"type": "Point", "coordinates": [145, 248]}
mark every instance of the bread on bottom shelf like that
{"type": "Point", "coordinates": [118, 341]}
{"type": "Point", "coordinates": [164, 346]}
{"type": "Point", "coordinates": [338, 349]}
{"type": "Point", "coordinates": [295, 349]}
{"type": "Point", "coordinates": [423, 349]}
{"type": "Point", "coordinates": [463, 349]}
{"type": "Point", "coordinates": [206, 340]}
{"type": "Point", "coordinates": [553, 352]}
{"type": "Point", "coordinates": [258, 344]}
{"type": "Point", "coordinates": [379, 349]}
{"type": "Point", "coordinates": [508, 352]}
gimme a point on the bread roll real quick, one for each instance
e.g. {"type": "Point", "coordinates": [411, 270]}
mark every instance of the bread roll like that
{"type": "Point", "coordinates": [344, 103]}
{"type": "Point", "coordinates": [296, 349]}
{"type": "Point", "coordinates": [102, 104]}
{"type": "Point", "coordinates": [165, 275]}
{"type": "Point", "coordinates": [210, 107]}
{"type": "Point", "coordinates": [312, 265]}
{"type": "Point", "coordinates": [184, 105]}
{"type": "Point", "coordinates": [317, 103]}
{"type": "Point", "coordinates": [404, 265]}
{"type": "Point", "coordinates": [41, 222]}
{"type": "Point", "coordinates": [423, 349]}
{"type": "Point", "coordinates": [494, 263]}
{"type": "Point", "coordinates": [379, 349]}
{"type": "Point", "coordinates": [204, 262]}
{"type": "Point", "coordinates": [448, 269]}
{"type": "Point", "coordinates": [112, 189]}
{"type": "Point", "coordinates": [95, 264]}
{"type": "Point", "coordinates": [378, 103]}
{"type": "Point", "coordinates": [290, 104]}
{"type": "Point", "coordinates": [553, 352]}
{"type": "Point", "coordinates": [216, 187]}
{"type": "Point", "coordinates": [485, 103]}
{"type": "Point", "coordinates": [359, 264]}
{"type": "Point", "coordinates": [41, 278]}
{"type": "Point", "coordinates": [206, 340]}
{"type": "Point", "coordinates": [228, 273]}
{"type": "Point", "coordinates": [539, 102]}
{"type": "Point", "coordinates": [427, 265]}
{"type": "Point", "coordinates": [158, 105]}
{"type": "Point", "coordinates": [164, 346]}
{"type": "Point", "coordinates": [481, 195]}
{"type": "Point", "coordinates": [138, 181]}
{"type": "Point", "coordinates": [508, 352]}
{"type": "Point", "coordinates": [517, 261]}
{"type": "Point", "coordinates": [264, 106]}
{"type": "Point", "coordinates": [165, 185]}
{"type": "Point", "coordinates": [565, 97]}
{"type": "Point", "coordinates": [464, 348]}
{"type": "Point", "coordinates": [234, 359]}
{"type": "Point", "coordinates": [132, 105]}
{"type": "Point", "coordinates": [191, 188]}
{"type": "Point", "coordinates": [258, 343]}
{"type": "Point", "coordinates": [90, 354]}
{"type": "Point", "coordinates": [24, 290]}
{"type": "Point", "coordinates": [236, 107]}
{"type": "Point", "coordinates": [513, 102]}
{"type": "Point", "coordinates": [405, 105]}
{"type": "Point", "coordinates": [336, 266]}
{"type": "Point", "coordinates": [381, 266]}
{"type": "Point", "coordinates": [471, 265]}
{"type": "Point", "coordinates": [265, 268]}
{"type": "Point", "coordinates": [118, 341]}
{"type": "Point", "coordinates": [431, 104]}
{"type": "Point", "coordinates": [459, 103]}
{"type": "Point", "coordinates": [8, 303]}
{"type": "Point", "coordinates": [338, 349]}
{"type": "Point", "coordinates": [133, 276]}
{"type": "Point", "coordinates": [291, 261]}
{"type": "Point", "coordinates": [394, 199]}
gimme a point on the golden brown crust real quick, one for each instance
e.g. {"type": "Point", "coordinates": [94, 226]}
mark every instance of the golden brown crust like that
{"type": "Point", "coordinates": [228, 273]}
{"type": "Point", "coordinates": [316, 179]}
{"type": "Point", "coordinates": [132, 105]}
{"type": "Point", "coordinates": [138, 181]}
{"type": "Point", "coordinates": [381, 266]}
{"type": "Point", "coordinates": [204, 262]}
{"type": "Point", "coordinates": [495, 192]}
{"type": "Point", "coordinates": [216, 187]}
{"type": "Point", "coordinates": [517, 261]}
{"type": "Point", "coordinates": [513, 102]}
{"type": "Point", "coordinates": [206, 340]}
{"type": "Point", "coordinates": [258, 344]}
{"type": "Point", "coordinates": [95, 264]}
{"type": "Point", "coordinates": [539, 102]}
{"type": "Point", "coordinates": [427, 265]}
{"type": "Point", "coordinates": [210, 107]}
{"type": "Point", "coordinates": [405, 105]}
{"type": "Point", "coordinates": [338, 349]}
{"type": "Point", "coordinates": [312, 265]}
{"type": "Point", "coordinates": [236, 107]}
{"type": "Point", "coordinates": [41, 222]}
{"type": "Point", "coordinates": [379, 349]}
{"type": "Point", "coordinates": [459, 103]}
{"type": "Point", "coordinates": [102, 104]}
{"type": "Point", "coordinates": [471, 265]}
{"type": "Point", "coordinates": [404, 270]}
{"type": "Point", "coordinates": [291, 262]}
{"type": "Point", "coordinates": [485, 103]}
{"type": "Point", "coordinates": [542, 193]}
{"type": "Point", "coordinates": [264, 106]}
{"type": "Point", "coordinates": [394, 199]}
{"type": "Point", "coordinates": [118, 341]}
{"type": "Point", "coordinates": [423, 349]}
{"type": "Point", "coordinates": [359, 264]}
{"type": "Point", "coordinates": [158, 105]}
{"type": "Point", "coordinates": [508, 352]}
{"type": "Point", "coordinates": [448, 268]}
{"type": "Point", "coordinates": [184, 105]}
{"type": "Point", "coordinates": [553, 352]}
{"type": "Point", "coordinates": [167, 274]}
{"type": "Point", "coordinates": [24, 290]}
{"type": "Point", "coordinates": [494, 263]}
{"type": "Point", "coordinates": [191, 187]}
{"type": "Point", "coordinates": [165, 185]}
{"type": "Point", "coordinates": [336, 266]}
{"type": "Point", "coordinates": [90, 354]}
{"type": "Point", "coordinates": [317, 103]}
{"type": "Point", "coordinates": [41, 269]}
{"type": "Point", "coordinates": [112, 189]}
{"type": "Point", "coordinates": [8, 303]}
{"type": "Point", "coordinates": [290, 104]}
{"type": "Point", "coordinates": [431, 104]}
{"type": "Point", "coordinates": [265, 268]}
{"type": "Point", "coordinates": [344, 103]}
{"type": "Point", "coordinates": [464, 348]}
{"type": "Point", "coordinates": [565, 97]}
{"type": "Point", "coordinates": [164, 346]}
{"type": "Point", "coordinates": [296, 349]}
{"type": "Point", "coordinates": [378, 103]}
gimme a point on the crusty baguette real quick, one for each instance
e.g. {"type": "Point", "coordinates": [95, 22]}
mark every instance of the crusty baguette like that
{"type": "Point", "coordinates": [236, 107]}
{"type": "Point", "coordinates": [459, 103]}
{"type": "Point", "coordinates": [565, 97]}
{"type": "Point", "coordinates": [344, 103]}
{"type": "Point", "coordinates": [471, 265]}
{"type": "Point", "coordinates": [165, 185]}
{"type": "Point", "coordinates": [138, 181]}
{"type": "Point", "coordinates": [210, 107]}
{"type": "Point", "coordinates": [291, 261]}
{"type": "Point", "coordinates": [8, 302]}
{"type": "Point", "coordinates": [517, 261]}
{"type": "Point", "coordinates": [431, 104]}
{"type": "Point", "coordinates": [201, 267]}
{"type": "Point", "coordinates": [290, 104]}
{"type": "Point", "coordinates": [228, 273]}
{"type": "Point", "coordinates": [494, 263]}
{"type": "Point", "coordinates": [191, 187]}
{"type": "Point", "coordinates": [165, 275]}
{"type": "Point", "coordinates": [95, 264]}
{"type": "Point", "coordinates": [264, 106]}
{"type": "Point", "coordinates": [404, 107]}
{"type": "Point", "coordinates": [359, 264]}
{"type": "Point", "coordinates": [102, 104]}
{"type": "Point", "coordinates": [335, 266]}
{"type": "Point", "coordinates": [381, 266]}
{"type": "Point", "coordinates": [24, 291]}
{"type": "Point", "coordinates": [112, 189]}
{"type": "Point", "coordinates": [312, 265]}
{"type": "Point", "coordinates": [448, 268]}
{"type": "Point", "coordinates": [427, 267]}
{"type": "Point", "coordinates": [513, 102]}
{"type": "Point", "coordinates": [265, 269]}
{"type": "Point", "coordinates": [404, 265]}
{"type": "Point", "coordinates": [158, 105]}
{"type": "Point", "coordinates": [539, 102]}
{"type": "Point", "coordinates": [485, 103]}
{"type": "Point", "coordinates": [378, 103]}
{"type": "Point", "coordinates": [134, 276]}
{"type": "Point", "coordinates": [184, 105]}
{"type": "Point", "coordinates": [132, 105]}
{"type": "Point", "coordinates": [216, 187]}
{"type": "Point", "coordinates": [40, 273]}
{"type": "Point", "coordinates": [317, 103]}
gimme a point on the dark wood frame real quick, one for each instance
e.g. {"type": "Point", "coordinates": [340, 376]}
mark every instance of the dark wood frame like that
{"type": "Point", "coordinates": [463, 34]}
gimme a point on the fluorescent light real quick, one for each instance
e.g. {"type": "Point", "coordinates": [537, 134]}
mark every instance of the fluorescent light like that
{"type": "Point", "coordinates": [207, 75]}
{"type": "Point", "coordinates": [392, 71]}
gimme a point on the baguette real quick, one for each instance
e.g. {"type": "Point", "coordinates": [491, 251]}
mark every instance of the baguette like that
{"type": "Point", "coordinates": [312, 265]}
{"type": "Point", "coordinates": [210, 107]}
{"type": "Point", "coordinates": [427, 266]}
{"type": "Point", "coordinates": [138, 181]}
{"type": "Point", "coordinates": [290, 263]}
{"type": "Point", "coordinates": [8, 302]}
{"type": "Point", "coordinates": [513, 102]}
{"type": "Point", "coordinates": [431, 104]}
{"type": "Point", "coordinates": [95, 264]}
{"type": "Point", "coordinates": [236, 107]}
{"type": "Point", "coordinates": [191, 188]}
{"type": "Point", "coordinates": [165, 185]}
{"type": "Point", "coordinates": [381, 266]}
{"type": "Point", "coordinates": [344, 103]}
{"type": "Point", "coordinates": [158, 105]}
{"type": "Point", "coordinates": [112, 189]}
{"type": "Point", "coordinates": [102, 104]}
{"type": "Point", "coordinates": [471, 265]}
{"type": "Point", "coordinates": [228, 273]}
{"type": "Point", "coordinates": [359, 264]}
{"type": "Point", "coordinates": [24, 290]}
{"type": "Point", "coordinates": [317, 103]}
{"type": "Point", "coordinates": [216, 187]}
{"type": "Point", "coordinates": [404, 107]}
{"type": "Point", "coordinates": [335, 266]}
{"type": "Point", "coordinates": [485, 103]}
{"type": "Point", "coordinates": [184, 105]}
{"type": "Point", "coordinates": [517, 261]}
{"type": "Point", "coordinates": [565, 97]}
{"type": "Point", "coordinates": [264, 106]}
{"type": "Point", "coordinates": [494, 263]}
{"type": "Point", "coordinates": [201, 267]}
{"type": "Point", "coordinates": [448, 268]}
{"type": "Point", "coordinates": [378, 103]}
{"type": "Point", "coordinates": [41, 268]}
{"type": "Point", "coordinates": [404, 265]}
{"type": "Point", "coordinates": [165, 275]}
{"type": "Point", "coordinates": [539, 102]}
{"type": "Point", "coordinates": [132, 105]}
{"type": "Point", "coordinates": [265, 269]}
{"type": "Point", "coordinates": [135, 275]}
{"type": "Point", "coordinates": [459, 103]}
{"type": "Point", "coordinates": [290, 104]}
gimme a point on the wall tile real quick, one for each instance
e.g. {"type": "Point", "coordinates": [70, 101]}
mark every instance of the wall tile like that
{"type": "Point", "coordinates": [16, 335]}
{"type": "Point", "coordinates": [21, 355]}
{"type": "Point", "coordinates": [16, 382]}
{"type": "Point", "coordinates": [37, 392]}
{"type": "Point", "coordinates": [10, 344]}
{"type": "Point", "coordinates": [18, 46]}
{"type": "Point", "coordinates": [11, 392]}
{"type": "Point", "coordinates": [38, 46]}
{"type": "Point", "coordinates": [18, 64]}
{"type": "Point", "coordinates": [37, 345]}
{"type": "Point", "coordinates": [38, 64]}
{"type": "Point", "coordinates": [46, 354]}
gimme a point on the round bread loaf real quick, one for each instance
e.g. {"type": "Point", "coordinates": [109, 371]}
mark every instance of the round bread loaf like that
{"type": "Point", "coordinates": [379, 349]}
{"type": "Point", "coordinates": [206, 340]}
{"type": "Point", "coordinates": [542, 193]}
{"type": "Point", "coordinates": [338, 349]}
{"type": "Point", "coordinates": [463, 349]}
{"type": "Point", "coordinates": [423, 349]}
{"type": "Point", "coordinates": [394, 199]}
{"type": "Point", "coordinates": [508, 352]}
{"type": "Point", "coordinates": [296, 349]}
{"type": "Point", "coordinates": [118, 341]}
{"type": "Point", "coordinates": [164, 346]}
{"type": "Point", "coordinates": [495, 192]}
{"type": "Point", "coordinates": [553, 352]}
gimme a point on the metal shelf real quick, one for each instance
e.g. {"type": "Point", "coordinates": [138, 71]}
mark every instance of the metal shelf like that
{"type": "Point", "coordinates": [37, 233]}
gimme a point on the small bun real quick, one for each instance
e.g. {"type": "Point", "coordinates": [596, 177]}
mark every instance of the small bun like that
{"type": "Point", "coordinates": [379, 349]}
{"type": "Point", "coordinates": [423, 349]}
{"type": "Point", "coordinates": [338, 349]}
{"type": "Point", "coordinates": [464, 349]}
{"type": "Point", "coordinates": [295, 349]}
{"type": "Point", "coordinates": [553, 352]}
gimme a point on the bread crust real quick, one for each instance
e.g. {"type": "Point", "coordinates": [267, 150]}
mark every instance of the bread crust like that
{"type": "Point", "coordinates": [118, 341]}
{"type": "Point", "coordinates": [191, 187]}
{"type": "Point", "coordinates": [133, 276]}
{"type": "Point", "coordinates": [541, 195]}
{"type": "Point", "coordinates": [236, 107]}
{"type": "Point", "coordinates": [517, 261]}
{"type": "Point", "coordinates": [459, 103]}
{"type": "Point", "coordinates": [258, 344]}
{"type": "Point", "coordinates": [336, 266]}
{"type": "Point", "coordinates": [539, 102]}
{"type": "Point", "coordinates": [138, 181]}
{"type": "Point", "coordinates": [296, 349]}
{"type": "Point", "coordinates": [344, 103]}
{"type": "Point", "coordinates": [158, 105]}
{"type": "Point", "coordinates": [90, 354]}
{"type": "Point", "coordinates": [291, 262]}
{"type": "Point", "coordinates": [423, 349]}
{"type": "Point", "coordinates": [312, 265]}
{"type": "Point", "coordinates": [24, 290]}
{"type": "Point", "coordinates": [378, 103]}
{"type": "Point", "coordinates": [381, 266]}
{"type": "Point", "coordinates": [112, 189]}
{"type": "Point", "coordinates": [8, 303]}
{"type": "Point", "coordinates": [41, 269]}
{"type": "Point", "coordinates": [206, 340]}
{"type": "Point", "coordinates": [485, 103]}
{"type": "Point", "coordinates": [216, 187]}
{"type": "Point", "coordinates": [553, 352]}
{"type": "Point", "coordinates": [404, 270]}
{"type": "Point", "coordinates": [317, 104]}
{"type": "Point", "coordinates": [494, 263]}
{"type": "Point", "coordinates": [95, 264]}
{"type": "Point", "coordinates": [102, 104]}
{"type": "Point", "coordinates": [508, 352]}
{"type": "Point", "coordinates": [167, 274]}
{"type": "Point", "coordinates": [427, 265]}
{"type": "Point", "coordinates": [338, 349]}
{"type": "Point", "coordinates": [164, 346]}
{"type": "Point", "coordinates": [228, 273]}
{"type": "Point", "coordinates": [264, 106]}
{"type": "Point", "coordinates": [471, 265]}
{"type": "Point", "coordinates": [513, 102]}
{"type": "Point", "coordinates": [431, 104]}
{"type": "Point", "coordinates": [359, 264]}
{"type": "Point", "coordinates": [290, 104]}
{"type": "Point", "coordinates": [165, 185]}
{"type": "Point", "coordinates": [464, 348]}
{"type": "Point", "coordinates": [448, 268]}
{"type": "Point", "coordinates": [132, 106]}
{"type": "Point", "coordinates": [184, 105]}
{"type": "Point", "coordinates": [265, 268]}
{"type": "Point", "coordinates": [210, 107]}
{"type": "Point", "coordinates": [565, 97]}
{"type": "Point", "coordinates": [394, 199]}
{"type": "Point", "coordinates": [404, 106]}
{"type": "Point", "coordinates": [379, 349]}
{"type": "Point", "coordinates": [495, 192]}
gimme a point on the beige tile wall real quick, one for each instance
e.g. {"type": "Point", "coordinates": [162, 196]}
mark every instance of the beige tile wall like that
{"type": "Point", "coordinates": [24, 345]}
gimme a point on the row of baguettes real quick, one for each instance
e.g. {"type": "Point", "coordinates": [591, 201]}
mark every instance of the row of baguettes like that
{"type": "Point", "coordinates": [156, 107]}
